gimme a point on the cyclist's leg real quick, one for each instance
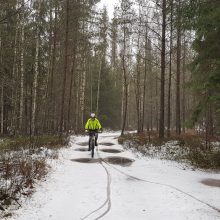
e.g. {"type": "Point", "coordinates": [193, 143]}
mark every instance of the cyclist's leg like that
{"type": "Point", "coordinates": [90, 139]}
{"type": "Point", "coordinates": [96, 139]}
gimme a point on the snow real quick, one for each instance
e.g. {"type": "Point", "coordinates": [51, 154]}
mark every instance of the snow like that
{"type": "Point", "coordinates": [148, 189]}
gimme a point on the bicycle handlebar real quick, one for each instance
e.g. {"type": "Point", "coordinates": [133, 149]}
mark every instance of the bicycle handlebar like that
{"type": "Point", "coordinates": [93, 131]}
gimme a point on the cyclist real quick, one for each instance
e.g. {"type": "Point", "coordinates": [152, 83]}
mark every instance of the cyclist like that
{"type": "Point", "coordinates": [93, 125]}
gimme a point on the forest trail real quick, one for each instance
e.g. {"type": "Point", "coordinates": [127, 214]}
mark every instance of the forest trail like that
{"type": "Point", "coordinates": [142, 188]}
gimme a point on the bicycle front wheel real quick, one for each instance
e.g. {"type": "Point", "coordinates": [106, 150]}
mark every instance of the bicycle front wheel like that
{"type": "Point", "coordinates": [92, 148]}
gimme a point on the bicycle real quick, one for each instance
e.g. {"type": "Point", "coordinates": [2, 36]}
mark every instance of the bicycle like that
{"type": "Point", "coordinates": [92, 137]}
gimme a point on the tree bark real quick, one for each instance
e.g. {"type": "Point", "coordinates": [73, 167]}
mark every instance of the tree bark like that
{"type": "Point", "coordinates": [183, 87]}
{"type": "Point", "coordinates": [35, 85]}
{"type": "Point", "coordinates": [170, 72]}
{"type": "Point", "coordinates": [14, 78]}
{"type": "Point", "coordinates": [52, 96]}
{"type": "Point", "coordinates": [2, 108]}
{"type": "Point", "coordinates": [22, 73]}
{"type": "Point", "coordinates": [178, 116]}
{"type": "Point", "coordinates": [163, 66]}
{"type": "Point", "coordinates": [65, 68]}
{"type": "Point", "coordinates": [145, 81]}
{"type": "Point", "coordinates": [98, 89]}
{"type": "Point", "coordinates": [125, 84]}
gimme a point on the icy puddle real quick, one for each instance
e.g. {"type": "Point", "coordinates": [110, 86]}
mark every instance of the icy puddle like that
{"type": "Point", "coordinates": [86, 160]}
{"type": "Point", "coordinates": [81, 149]}
{"type": "Point", "coordinates": [114, 151]}
{"type": "Point", "coordinates": [122, 161]}
{"type": "Point", "coordinates": [82, 144]}
{"type": "Point", "coordinates": [107, 144]}
{"type": "Point", "coordinates": [211, 182]}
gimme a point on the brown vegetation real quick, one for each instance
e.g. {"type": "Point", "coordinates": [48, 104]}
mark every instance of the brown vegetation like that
{"type": "Point", "coordinates": [189, 147]}
{"type": "Point", "coordinates": [23, 162]}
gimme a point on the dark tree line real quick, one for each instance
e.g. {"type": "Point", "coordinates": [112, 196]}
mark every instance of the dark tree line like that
{"type": "Point", "coordinates": [154, 66]}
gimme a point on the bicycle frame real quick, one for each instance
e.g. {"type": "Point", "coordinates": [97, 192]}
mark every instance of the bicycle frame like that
{"type": "Point", "coordinates": [92, 136]}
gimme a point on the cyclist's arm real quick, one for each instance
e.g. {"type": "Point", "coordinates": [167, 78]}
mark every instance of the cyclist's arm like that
{"type": "Point", "coordinates": [87, 125]}
{"type": "Point", "coordinates": [99, 125]}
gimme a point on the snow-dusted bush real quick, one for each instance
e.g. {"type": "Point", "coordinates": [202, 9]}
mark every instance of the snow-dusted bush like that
{"type": "Point", "coordinates": [23, 162]}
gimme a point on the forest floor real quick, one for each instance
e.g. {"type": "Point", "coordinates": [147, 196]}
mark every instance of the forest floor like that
{"type": "Point", "coordinates": [113, 187]}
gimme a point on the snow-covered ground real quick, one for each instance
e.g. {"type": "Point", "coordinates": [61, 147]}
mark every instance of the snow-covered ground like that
{"type": "Point", "coordinates": [148, 189]}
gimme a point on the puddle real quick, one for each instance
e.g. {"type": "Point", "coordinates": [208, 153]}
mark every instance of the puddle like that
{"type": "Point", "coordinates": [122, 161]}
{"type": "Point", "coordinates": [107, 144]}
{"type": "Point", "coordinates": [114, 151]}
{"type": "Point", "coordinates": [81, 149]}
{"type": "Point", "coordinates": [86, 160]}
{"type": "Point", "coordinates": [211, 182]}
{"type": "Point", "coordinates": [83, 144]}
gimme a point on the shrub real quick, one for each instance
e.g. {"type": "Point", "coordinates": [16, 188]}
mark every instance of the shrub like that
{"type": "Point", "coordinates": [189, 148]}
{"type": "Point", "coordinates": [23, 161]}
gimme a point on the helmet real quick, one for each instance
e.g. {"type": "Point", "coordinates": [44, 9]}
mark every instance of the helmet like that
{"type": "Point", "coordinates": [92, 115]}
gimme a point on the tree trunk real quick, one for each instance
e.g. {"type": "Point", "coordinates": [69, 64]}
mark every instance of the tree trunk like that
{"type": "Point", "coordinates": [72, 78]}
{"type": "Point", "coordinates": [125, 85]}
{"type": "Point", "coordinates": [99, 82]}
{"type": "Point", "coordinates": [145, 81]}
{"type": "Point", "coordinates": [82, 98]}
{"type": "Point", "coordinates": [47, 98]}
{"type": "Point", "coordinates": [183, 87]}
{"type": "Point", "coordinates": [22, 74]}
{"type": "Point", "coordinates": [2, 89]}
{"type": "Point", "coordinates": [178, 116]}
{"type": "Point", "coordinates": [2, 107]}
{"type": "Point", "coordinates": [52, 96]}
{"type": "Point", "coordinates": [163, 65]}
{"type": "Point", "coordinates": [71, 87]}
{"type": "Point", "coordinates": [35, 85]}
{"type": "Point", "coordinates": [14, 77]}
{"type": "Point", "coordinates": [137, 91]}
{"type": "Point", "coordinates": [65, 68]}
{"type": "Point", "coordinates": [170, 72]}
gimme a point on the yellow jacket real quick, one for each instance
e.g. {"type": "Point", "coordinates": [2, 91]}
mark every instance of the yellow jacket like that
{"type": "Point", "coordinates": [93, 124]}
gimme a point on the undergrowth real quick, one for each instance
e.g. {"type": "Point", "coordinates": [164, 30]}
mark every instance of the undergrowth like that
{"type": "Point", "coordinates": [187, 148]}
{"type": "Point", "coordinates": [20, 142]}
{"type": "Point", "coordinates": [23, 162]}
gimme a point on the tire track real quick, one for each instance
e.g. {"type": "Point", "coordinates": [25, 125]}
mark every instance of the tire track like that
{"type": "Point", "coordinates": [108, 195]}
{"type": "Point", "coordinates": [163, 184]}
